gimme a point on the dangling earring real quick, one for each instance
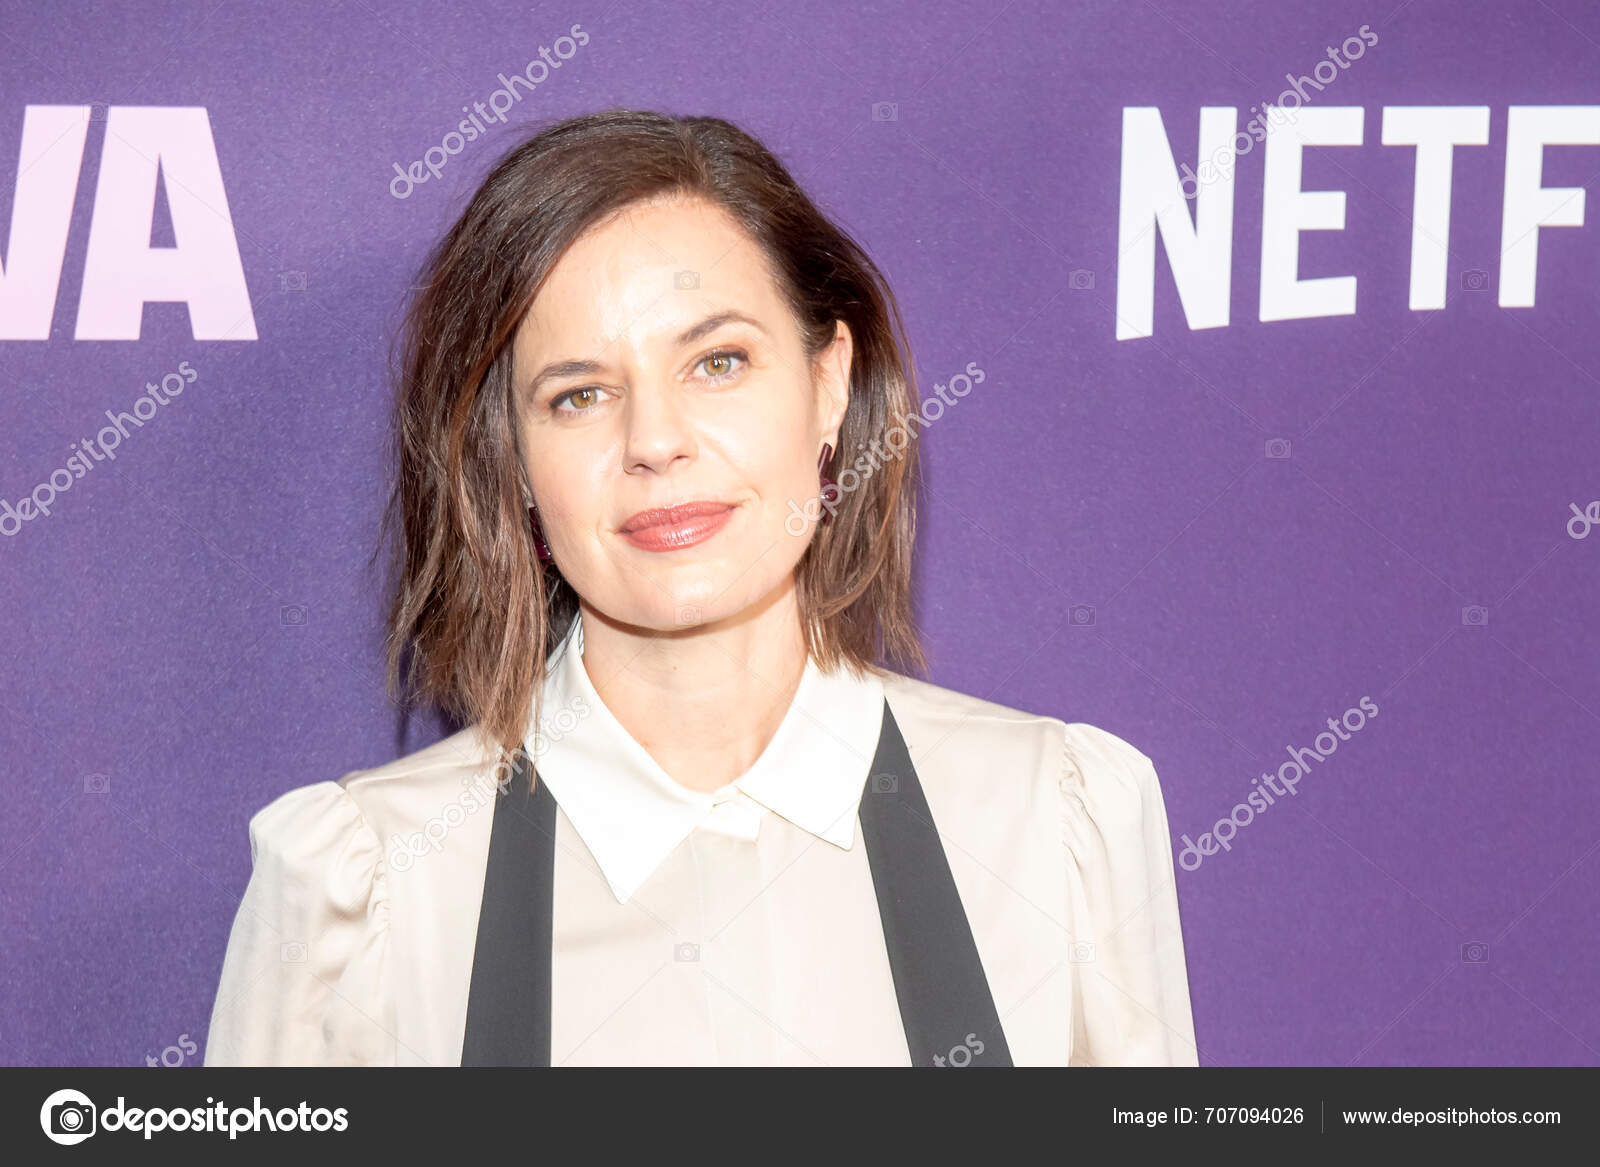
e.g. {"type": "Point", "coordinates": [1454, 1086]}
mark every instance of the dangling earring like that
{"type": "Point", "coordinates": [830, 488]}
{"type": "Point", "coordinates": [539, 545]}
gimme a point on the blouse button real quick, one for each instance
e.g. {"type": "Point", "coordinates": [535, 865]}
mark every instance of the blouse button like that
{"type": "Point", "coordinates": [736, 816]}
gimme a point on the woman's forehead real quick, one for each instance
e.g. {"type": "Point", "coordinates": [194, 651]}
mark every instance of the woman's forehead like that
{"type": "Point", "coordinates": [645, 277]}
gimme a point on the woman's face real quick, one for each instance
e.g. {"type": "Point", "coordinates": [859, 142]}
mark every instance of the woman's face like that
{"type": "Point", "coordinates": [637, 389]}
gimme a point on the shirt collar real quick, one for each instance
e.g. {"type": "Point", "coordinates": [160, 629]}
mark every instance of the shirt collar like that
{"type": "Point", "coordinates": [631, 814]}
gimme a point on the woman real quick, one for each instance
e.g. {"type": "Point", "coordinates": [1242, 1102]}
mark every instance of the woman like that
{"type": "Point", "coordinates": [693, 820]}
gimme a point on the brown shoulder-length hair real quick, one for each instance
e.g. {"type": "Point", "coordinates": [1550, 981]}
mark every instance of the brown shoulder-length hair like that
{"type": "Point", "coordinates": [475, 613]}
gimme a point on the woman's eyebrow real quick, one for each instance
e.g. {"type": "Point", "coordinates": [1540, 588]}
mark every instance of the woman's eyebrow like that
{"type": "Point", "coordinates": [557, 370]}
{"type": "Point", "coordinates": [715, 321]}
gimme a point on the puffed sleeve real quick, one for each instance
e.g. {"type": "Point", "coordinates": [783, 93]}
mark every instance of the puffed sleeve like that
{"type": "Point", "coordinates": [305, 980]}
{"type": "Point", "coordinates": [1131, 987]}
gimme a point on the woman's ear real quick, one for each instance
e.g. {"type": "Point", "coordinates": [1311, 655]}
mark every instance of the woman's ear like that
{"type": "Point", "coordinates": [833, 380]}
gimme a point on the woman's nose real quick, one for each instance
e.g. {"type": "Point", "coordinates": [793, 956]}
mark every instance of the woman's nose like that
{"type": "Point", "coordinates": [659, 428]}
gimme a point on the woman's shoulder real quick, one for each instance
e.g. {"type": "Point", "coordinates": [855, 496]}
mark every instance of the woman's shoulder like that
{"type": "Point", "coordinates": [303, 978]}
{"type": "Point", "coordinates": [972, 751]}
{"type": "Point", "coordinates": [311, 823]}
{"type": "Point", "coordinates": [395, 795]}
{"type": "Point", "coordinates": [976, 726]}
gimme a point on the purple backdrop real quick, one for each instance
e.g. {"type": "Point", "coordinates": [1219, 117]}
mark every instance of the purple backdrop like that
{"type": "Point", "coordinates": [1207, 540]}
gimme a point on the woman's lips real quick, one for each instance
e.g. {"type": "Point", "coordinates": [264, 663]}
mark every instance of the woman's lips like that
{"type": "Point", "coordinates": [673, 528]}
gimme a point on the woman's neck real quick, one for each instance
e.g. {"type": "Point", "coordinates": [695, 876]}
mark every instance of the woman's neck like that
{"type": "Point", "coordinates": [704, 702]}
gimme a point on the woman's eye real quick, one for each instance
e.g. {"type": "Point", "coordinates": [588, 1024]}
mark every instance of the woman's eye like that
{"type": "Point", "coordinates": [720, 366]}
{"type": "Point", "coordinates": [588, 397]}
{"type": "Point", "coordinates": [723, 364]}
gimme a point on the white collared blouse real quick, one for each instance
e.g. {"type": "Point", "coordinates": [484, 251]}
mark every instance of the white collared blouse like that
{"type": "Point", "coordinates": [733, 927]}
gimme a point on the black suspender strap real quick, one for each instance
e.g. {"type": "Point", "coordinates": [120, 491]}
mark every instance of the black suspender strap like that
{"type": "Point", "coordinates": [508, 1004]}
{"type": "Point", "coordinates": [945, 1003]}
